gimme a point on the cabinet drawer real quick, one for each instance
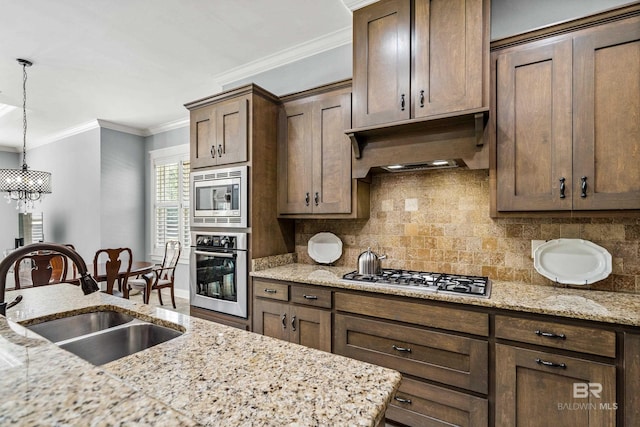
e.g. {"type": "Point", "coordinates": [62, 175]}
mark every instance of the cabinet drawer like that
{"type": "Point", "coordinates": [445, 358]}
{"type": "Point", "coordinates": [310, 295]}
{"type": "Point", "coordinates": [270, 290]}
{"type": "Point", "coordinates": [557, 335]}
{"type": "Point", "coordinates": [418, 404]}
{"type": "Point", "coordinates": [419, 313]}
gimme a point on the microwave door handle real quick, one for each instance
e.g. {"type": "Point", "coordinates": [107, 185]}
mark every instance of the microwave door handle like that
{"type": "Point", "coordinates": [218, 254]}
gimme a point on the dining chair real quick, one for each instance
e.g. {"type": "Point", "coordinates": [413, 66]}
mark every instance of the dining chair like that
{"type": "Point", "coordinates": [43, 268]}
{"type": "Point", "coordinates": [113, 260]}
{"type": "Point", "coordinates": [162, 276]}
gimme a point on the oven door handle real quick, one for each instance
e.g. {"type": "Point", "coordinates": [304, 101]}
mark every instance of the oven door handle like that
{"type": "Point", "coordinates": [218, 254]}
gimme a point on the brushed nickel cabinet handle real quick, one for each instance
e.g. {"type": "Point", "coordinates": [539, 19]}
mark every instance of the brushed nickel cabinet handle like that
{"type": "Point", "coordinates": [309, 296]}
{"type": "Point", "coordinates": [583, 187]}
{"type": "Point", "coordinates": [306, 199]}
{"type": "Point", "coordinates": [402, 349]}
{"type": "Point", "coordinates": [562, 187]}
{"type": "Point", "coordinates": [293, 323]}
{"type": "Point", "coordinates": [422, 99]}
{"type": "Point", "coordinates": [401, 400]}
{"type": "Point", "coordinates": [284, 321]}
{"type": "Point", "coordinates": [316, 199]}
{"type": "Point", "coordinates": [551, 335]}
{"type": "Point", "coordinates": [270, 291]}
{"type": "Point", "coordinates": [402, 102]}
{"type": "Point", "coordinates": [551, 364]}
{"type": "Point", "coordinates": [213, 152]}
{"type": "Point", "coordinates": [219, 150]}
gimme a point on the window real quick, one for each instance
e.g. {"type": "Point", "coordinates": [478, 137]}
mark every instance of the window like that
{"type": "Point", "coordinates": [170, 198]}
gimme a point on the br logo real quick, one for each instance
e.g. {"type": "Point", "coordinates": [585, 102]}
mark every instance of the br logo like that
{"type": "Point", "coordinates": [582, 390]}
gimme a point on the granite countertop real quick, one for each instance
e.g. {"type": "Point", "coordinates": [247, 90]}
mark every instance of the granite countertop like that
{"type": "Point", "coordinates": [211, 375]}
{"type": "Point", "coordinates": [610, 307]}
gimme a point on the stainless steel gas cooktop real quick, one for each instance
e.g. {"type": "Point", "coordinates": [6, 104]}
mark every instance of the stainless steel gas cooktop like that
{"type": "Point", "coordinates": [477, 286]}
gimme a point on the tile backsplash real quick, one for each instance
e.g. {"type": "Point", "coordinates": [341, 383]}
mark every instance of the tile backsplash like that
{"type": "Point", "coordinates": [439, 221]}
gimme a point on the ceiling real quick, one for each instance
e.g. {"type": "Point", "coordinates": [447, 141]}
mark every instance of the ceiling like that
{"type": "Point", "coordinates": [134, 63]}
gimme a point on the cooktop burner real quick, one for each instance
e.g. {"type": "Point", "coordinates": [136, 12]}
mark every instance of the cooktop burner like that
{"type": "Point", "coordinates": [477, 286]}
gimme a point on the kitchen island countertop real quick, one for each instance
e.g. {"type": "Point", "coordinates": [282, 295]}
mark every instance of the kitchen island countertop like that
{"type": "Point", "coordinates": [211, 375]}
{"type": "Point", "coordinates": [577, 303]}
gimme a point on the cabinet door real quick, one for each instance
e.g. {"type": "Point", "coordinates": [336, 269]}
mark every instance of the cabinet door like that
{"type": "Point", "coordinates": [202, 137]}
{"type": "Point", "coordinates": [631, 379]}
{"type": "Point", "coordinates": [531, 393]}
{"type": "Point", "coordinates": [606, 102]}
{"type": "Point", "coordinates": [534, 135]}
{"type": "Point", "coordinates": [232, 131]}
{"type": "Point", "coordinates": [331, 155]}
{"type": "Point", "coordinates": [295, 180]}
{"type": "Point", "coordinates": [381, 62]}
{"type": "Point", "coordinates": [271, 318]}
{"type": "Point", "coordinates": [448, 56]}
{"type": "Point", "coordinates": [311, 327]}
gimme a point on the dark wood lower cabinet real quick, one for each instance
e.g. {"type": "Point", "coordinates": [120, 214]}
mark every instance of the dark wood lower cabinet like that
{"type": "Point", "coordinates": [631, 379]}
{"type": "Point", "coordinates": [308, 326]}
{"type": "Point", "coordinates": [420, 404]}
{"type": "Point", "coordinates": [537, 388]}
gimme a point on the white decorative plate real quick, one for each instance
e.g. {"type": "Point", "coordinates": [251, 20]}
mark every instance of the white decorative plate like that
{"type": "Point", "coordinates": [325, 248]}
{"type": "Point", "coordinates": [572, 261]}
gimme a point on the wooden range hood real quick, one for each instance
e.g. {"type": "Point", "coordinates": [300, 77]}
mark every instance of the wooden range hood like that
{"type": "Point", "coordinates": [452, 136]}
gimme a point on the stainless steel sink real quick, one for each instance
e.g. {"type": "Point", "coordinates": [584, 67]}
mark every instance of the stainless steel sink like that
{"type": "Point", "coordinates": [81, 324]}
{"type": "Point", "coordinates": [103, 336]}
{"type": "Point", "coordinates": [107, 346]}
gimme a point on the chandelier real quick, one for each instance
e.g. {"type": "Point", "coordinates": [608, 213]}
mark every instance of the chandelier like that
{"type": "Point", "coordinates": [24, 185]}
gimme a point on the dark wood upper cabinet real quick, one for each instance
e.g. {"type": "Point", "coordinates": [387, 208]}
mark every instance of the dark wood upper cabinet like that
{"type": "Point", "coordinates": [534, 135]}
{"type": "Point", "coordinates": [418, 58]}
{"type": "Point", "coordinates": [566, 123]}
{"type": "Point", "coordinates": [314, 156]}
{"type": "Point", "coordinates": [606, 99]}
{"type": "Point", "coordinates": [220, 133]}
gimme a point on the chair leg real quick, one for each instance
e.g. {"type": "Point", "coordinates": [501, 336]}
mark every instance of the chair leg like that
{"type": "Point", "coordinates": [173, 299]}
{"type": "Point", "coordinates": [160, 296]}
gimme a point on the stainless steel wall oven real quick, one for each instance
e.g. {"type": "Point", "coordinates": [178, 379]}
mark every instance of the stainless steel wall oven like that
{"type": "Point", "coordinates": [219, 272]}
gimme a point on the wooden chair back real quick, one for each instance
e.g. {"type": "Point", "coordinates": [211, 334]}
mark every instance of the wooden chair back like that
{"type": "Point", "coordinates": [46, 268]}
{"type": "Point", "coordinates": [114, 260]}
{"type": "Point", "coordinates": [172, 250]}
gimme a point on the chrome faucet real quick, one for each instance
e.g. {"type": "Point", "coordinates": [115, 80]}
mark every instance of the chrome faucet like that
{"type": "Point", "coordinates": [88, 283]}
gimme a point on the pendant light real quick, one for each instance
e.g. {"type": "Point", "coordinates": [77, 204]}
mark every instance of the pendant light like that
{"type": "Point", "coordinates": [24, 185]}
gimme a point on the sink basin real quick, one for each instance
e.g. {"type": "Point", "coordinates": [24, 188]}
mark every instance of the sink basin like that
{"type": "Point", "coordinates": [81, 324]}
{"type": "Point", "coordinates": [107, 346]}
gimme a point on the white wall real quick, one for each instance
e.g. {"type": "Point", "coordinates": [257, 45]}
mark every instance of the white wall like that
{"type": "Point", "coordinates": [8, 212]}
{"type": "Point", "coordinates": [72, 210]}
{"type": "Point", "coordinates": [122, 192]}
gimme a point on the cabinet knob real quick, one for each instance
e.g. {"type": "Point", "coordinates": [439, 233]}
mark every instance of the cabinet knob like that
{"type": "Point", "coordinates": [402, 102]}
{"type": "Point", "coordinates": [562, 187]}
{"type": "Point", "coordinates": [583, 187]}
{"type": "Point", "coordinates": [422, 99]}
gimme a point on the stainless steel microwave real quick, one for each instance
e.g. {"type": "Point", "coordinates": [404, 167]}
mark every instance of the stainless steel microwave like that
{"type": "Point", "coordinates": [219, 197]}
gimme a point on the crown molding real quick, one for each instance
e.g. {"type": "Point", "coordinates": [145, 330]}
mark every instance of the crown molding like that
{"type": "Point", "coordinates": [357, 4]}
{"type": "Point", "coordinates": [75, 130]}
{"type": "Point", "coordinates": [165, 127]}
{"type": "Point", "coordinates": [10, 149]}
{"type": "Point", "coordinates": [303, 50]}
{"type": "Point", "coordinates": [120, 128]}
